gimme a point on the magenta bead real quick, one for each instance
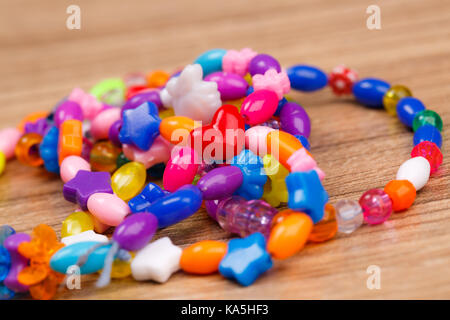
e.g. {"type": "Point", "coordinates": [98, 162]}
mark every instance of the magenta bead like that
{"type": "Point", "coordinates": [430, 151]}
{"type": "Point", "coordinates": [259, 106]}
{"type": "Point", "coordinates": [67, 110]}
{"type": "Point", "coordinates": [376, 206]}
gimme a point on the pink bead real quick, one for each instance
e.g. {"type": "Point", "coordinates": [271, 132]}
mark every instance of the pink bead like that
{"type": "Point", "coordinates": [108, 208]}
{"type": "Point", "coordinates": [181, 168]}
{"type": "Point", "coordinates": [259, 106]}
{"type": "Point", "coordinates": [103, 121]}
{"type": "Point", "coordinates": [430, 151]}
{"type": "Point", "coordinates": [376, 206]}
{"type": "Point", "coordinates": [341, 80]}
{"type": "Point", "coordinates": [89, 104]}
{"type": "Point", "coordinates": [238, 61]}
{"type": "Point", "coordinates": [300, 161]}
{"type": "Point", "coordinates": [8, 141]}
{"type": "Point", "coordinates": [158, 152]}
{"type": "Point", "coordinates": [256, 139]}
{"type": "Point", "coordinates": [277, 82]}
{"type": "Point", "coordinates": [70, 167]}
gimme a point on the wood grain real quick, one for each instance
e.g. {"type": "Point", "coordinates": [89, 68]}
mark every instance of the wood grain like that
{"type": "Point", "coordinates": [358, 148]}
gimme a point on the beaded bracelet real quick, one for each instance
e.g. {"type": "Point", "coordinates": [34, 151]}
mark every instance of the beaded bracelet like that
{"type": "Point", "coordinates": [142, 126]}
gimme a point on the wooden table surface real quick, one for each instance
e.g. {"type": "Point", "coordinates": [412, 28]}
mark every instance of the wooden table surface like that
{"type": "Point", "coordinates": [41, 61]}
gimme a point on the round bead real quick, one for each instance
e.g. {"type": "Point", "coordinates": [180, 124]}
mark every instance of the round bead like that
{"type": "Point", "coordinates": [393, 95]}
{"type": "Point", "coordinates": [427, 133]}
{"type": "Point", "coordinates": [402, 194]}
{"type": "Point", "coordinates": [429, 151]}
{"type": "Point", "coordinates": [76, 223]}
{"type": "Point", "coordinates": [370, 92]}
{"type": "Point", "coordinates": [415, 170]}
{"type": "Point", "coordinates": [103, 156]}
{"type": "Point", "coordinates": [2, 162]}
{"type": "Point", "coordinates": [341, 80]}
{"type": "Point", "coordinates": [326, 228]}
{"type": "Point", "coordinates": [128, 180]}
{"type": "Point", "coordinates": [407, 108]}
{"type": "Point", "coordinates": [376, 206]}
{"type": "Point", "coordinates": [263, 62]}
{"type": "Point", "coordinates": [27, 150]}
{"type": "Point", "coordinates": [427, 117]}
{"type": "Point", "coordinates": [349, 215]}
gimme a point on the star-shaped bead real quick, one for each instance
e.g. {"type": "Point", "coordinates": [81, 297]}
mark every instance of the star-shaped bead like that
{"type": "Point", "coordinates": [140, 126]}
{"type": "Point", "coordinates": [254, 176]}
{"type": "Point", "coordinates": [307, 194]}
{"type": "Point", "coordinates": [85, 184]}
{"type": "Point", "coordinates": [246, 259]}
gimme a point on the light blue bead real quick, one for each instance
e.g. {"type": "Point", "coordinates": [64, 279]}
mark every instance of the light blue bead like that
{"type": "Point", "coordinates": [211, 61]}
{"type": "Point", "coordinates": [370, 92]}
{"type": "Point", "coordinates": [407, 108]}
{"type": "Point", "coordinates": [48, 150]}
{"type": "Point", "coordinates": [254, 176]}
{"type": "Point", "coordinates": [306, 78]}
{"type": "Point", "coordinates": [5, 232]}
{"type": "Point", "coordinates": [428, 133]}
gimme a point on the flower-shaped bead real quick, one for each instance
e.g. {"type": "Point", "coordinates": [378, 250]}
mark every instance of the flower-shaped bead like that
{"type": "Point", "coordinates": [341, 80]}
{"type": "Point", "coordinates": [238, 61]}
{"type": "Point", "coordinates": [278, 82]}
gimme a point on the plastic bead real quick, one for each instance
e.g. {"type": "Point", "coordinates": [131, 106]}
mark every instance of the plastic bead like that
{"type": "Point", "coordinates": [108, 208]}
{"type": "Point", "coordinates": [326, 228]}
{"type": "Point", "coordinates": [236, 215]}
{"type": "Point", "coordinates": [151, 97]}
{"type": "Point", "coordinates": [416, 170]}
{"type": "Point", "coordinates": [407, 108]}
{"type": "Point", "coordinates": [48, 150]}
{"type": "Point", "coordinates": [148, 195]}
{"type": "Point", "coordinates": [128, 180]}
{"type": "Point", "coordinates": [393, 95]}
{"type": "Point", "coordinates": [256, 139]}
{"type": "Point", "coordinates": [103, 121]}
{"type": "Point", "coordinates": [70, 139]}
{"type": "Point", "coordinates": [289, 236]}
{"type": "Point", "coordinates": [180, 169]}
{"type": "Point", "coordinates": [341, 80]}
{"type": "Point", "coordinates": [110, 91]}
{"type": "Point", "coordinates": [302, 161]}
{"type": "Point", "coordinates": [157, 78]}
{"type": "Point", "coordinates": [429, 151]}
{"type": "Point", "coordinates": [176, 129]}
{"type": "Point", "coordinates": [211, 60]}
{"type": "Point", "coordinates": [230, 85]}
{"type": "Point", "coordinates": [84, 236]}
{"type": "Point", "coordinates": [158, 152]}
{"type": "Point", "coordinates": [260, 63]}
{"type": "Point", "coordinates": [272, 80]}
{"type": "Point", "coordinates": [376, 206]}
{"type": "Point", "coordinates": [238, 62]}
{"type": "Point", "coordinates": [246, 259]}
{"type": "Point", "coordinates": [220, 183]}
{"type": "Point", "coordinates": [277, 191]}
{"type": "Point", "coordinates": [370, 92]}
{"type": "Point", "coordinates": [203, 257]}
{"type": "Point", "coordinates": [103, 156]}
{"type": "Point", "coordinates": [349, 215]}
{"type": "Point", "coordinates": [402, 194]}
{"type": "Point", "coordinates": [427, 117]}
{"type": "Point", "coordinates": [76, 223]}
{"type": "Point", "coordinates": [67, 110]}
{"type": "Point", "coordinates": [40, 127]}
{"type": "Point", "coordinates": [18, 261]}
{"type": "Point", "coordinates": [88, 103]}
{"type": "Point", "coordinates": [31, 118]}
{"type": "Point", "coordinates": [295, 120]}
{"type": "Point", "coordinates": [8, 141]}
{"type": "Point", "coordinates": [27, 150]}
{"type": "Point", "coordinates": [70, 167]}
{"type": "Point", "coordinates": [2, 162]}
{"type": "Point", "coordinates": [156, 171]}
{"type": "Point", "coordinates": [282, 146]}
{"type": "Point", "coordinates": [121, 269]}
{"type": "Point", "coordinates": [307, 78]}
{"type": "Point", "coordinates": [427, 133]}
{"type": "Point", "coordinates": [134, 79]}
{"type": "Point", "coordinates": [136, 231]}
{"type": "Point", "coordinates": [259, 106]}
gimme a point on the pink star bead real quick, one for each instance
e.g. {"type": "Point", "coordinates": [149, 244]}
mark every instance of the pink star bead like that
{"type": "Point", "coordinates": [301, 161]}
{"type": "Point", "coordinates": [238, 61]}
{"type": "Point", "coordinates": [89, 104]}
{"type": "Point", "coordinates": [277, 82]}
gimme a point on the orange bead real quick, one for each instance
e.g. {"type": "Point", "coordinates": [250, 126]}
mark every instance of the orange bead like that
{"type": "Point", "coordinates": [103, 156]}
{"type": "Point", "coordinates": [203, 257]}
{"type": "Point", "coordinates": [32, 117]}
{"type": "Point", "coordinates": [70, 139]}
{"type": "Point", "coordinates": [280, 216]}
{"type": "Point", "coordinates": [157, 78]}
{"type": "Point", "coordinates": [176, 128]}
{"type": "Point", "coordinates": [282, 145]}
{"type": "Point", "coordinates": [289, 236]}
{"type": "Point", "coordinates": [326, 228]}
{"type": "Point", "coordinates": [27, 151]}
{"type": "Point", "coordinates": [402, 194]}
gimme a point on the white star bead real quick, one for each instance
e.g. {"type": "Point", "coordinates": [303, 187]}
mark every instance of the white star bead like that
{"type": "Point", "coordinates": [84, 236]}
{"type": "Point", "coordinates": [156, 261]}
{"type": "Point", "coordinates": [190, 96]}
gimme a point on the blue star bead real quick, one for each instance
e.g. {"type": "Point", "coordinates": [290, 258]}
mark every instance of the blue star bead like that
{"type": "Point", "coordinates": [140, 126]}
{"type": "Point", "coordinates": [148, 195]}
{"type": "Point", "coordinates": [307, 194]}
{"type": "Point", "coordinates": [246, 259]}
{"type": "Point", "coordinates": [254, 176]}
{"type": "Point", "coordinates": [48, 150]}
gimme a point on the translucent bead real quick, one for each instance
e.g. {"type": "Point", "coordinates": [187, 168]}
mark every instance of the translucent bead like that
{"type": "Point", "coordinates": [2, 162]}
{"type": "Point", "coordinates": [415, 170]}
{"type": "Point", "coordinates": [402, 194]}
{"type": "Point", "coordinates": [393, 95]}
{"type": "Point", "coordinates": [27, 150]}
{"type": "Point", "coordinates": [427, 117]}
{"type": "Point", "coordinates": [429, 151]}
{"type": "Point", "coordinates": [76, 223]}
{"type": "Point", "coordinates": [326, 228]}
{"type": "Point", "coordinates": [349, 215]}
{"type": "Point", "coordinates": [376, 206]}
{"type": "Point", "coordinates": [121, 269]}
{"type": "Point", "coordinates": [236, 215]}
{"type": "Point", "coordinates": [103, 156]}
{"type": "Point", "coordinates": [128, 180]}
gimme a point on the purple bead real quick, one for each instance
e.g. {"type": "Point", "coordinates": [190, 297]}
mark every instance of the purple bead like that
{"type": "Point", "coordinates": [18, 262]}
{"type": "Point", "coordinates": [220, 182]}
{"type": "Point", "coordinates": [236, 215]}
{"type": "Point", "coordinates": [230, 85]}
{"type": "Point", "coordinates": [263, 62]}
{"type": "Point", "coordinates": [136, 231]}
{"type": "Point", "coordinates": [211, 208]}
{"type": "Point", "coordinates": [41, 126]}
{"type": "Point", "coordinates": [376, 206]}
{"type": "Point", "coordinates": [140, 98]}
{"type": "Point", "coordinates": [295, 120]}
{"type": "Point", "coordinates": [113, 133]}
{"type": "Point", "coordinates": [66, 111]}
{"type": "Point", "coordinates": [86, 151]}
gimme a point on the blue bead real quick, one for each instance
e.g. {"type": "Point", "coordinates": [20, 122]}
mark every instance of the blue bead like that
{"type": "Point", "coordinates": [48, 150]}
{"type": "Point", "coordinates": [307, 78]}
{"type": "Point", "coordinates": [428, 133]}
{"type": "Point", "coordinates": [254, 176]}
{"type": "Point", "coordinates": [407, 108]}
{"type": "Point", "coordinates": [148, 195]}
{"type": "Point", "coordinates": [307, 194]}
{"type": "Point", "coordinates": [5, 232]}
{"type": "Point", "coordinates": [281, 103]}
{"type": "Point", "coordinates": [246, 259]}
{"type": "Point", "coordinates": [211, 61]}
{"type": "Point", "coordinates": [370, 92]}
{"type": "Point", "coordinates": [6, 293]}
{"type": "Point", "coordinates": [5, 263]}
{"type": "Point", "coordinates": [304, 141]}
{"type": "Point", "coordinates": [250, 90]}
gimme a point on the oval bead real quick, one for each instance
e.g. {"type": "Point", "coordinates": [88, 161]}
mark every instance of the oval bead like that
{"type": "Point", "coordinates": [289, 236]}
{"type": "Point", "coordinates": [370, 92]}
{"type": "Point", "coordinates": [402, 194]}
{"type": "Point", "coordinates": [2, 162]}
{"type": "Point", "coordinates": [407, 108]}
{"type": "Point", "coordinates": [180, 169]}
{"type": "Point", "coordinates": [70, 167]}
{"type": "Point", "coordinates": [108, 208]}
{"type": "Point", "coordinates": [230, 85]}
{"type": "Point", "coordinates": [76, 223]}
{"type": "Point", "coordinates": [8, 141]}
{"type": "Point", "coordinates": [220, 183]}
{"type": "Point", "coordinates": [415, 170]}
{"type": "Point", "coordinates": [203, 257]}
{"type": "Point", "coordinates": [67, 110]}
{"type": "Point", "coordinates": [211, 60]}
{"type": "Point", "coordinates": [282, 146]}
{"type": "Point", "coordinates": [103, 121]}
{"type": "Point", "coordinates": [259, 106]}
{"type": "Point", "coordinates": [128, 180]}
{"type": "Point", "coordinates": [144, 97]}
{"type": "Point", "coordinates": [306, 78]}
{"type": "Point", "coordinates": [176, 129]}
{"type": "Point", "coordinates": [256, 139]}
{"type": "Point", "coordinates": [262, 62]}
{"type": "Point", "coordinates": [136, 231]}
{"type": "Point", "coordinates": [428, 133]}
{"type": "Point", "coordinates": [295, 120]}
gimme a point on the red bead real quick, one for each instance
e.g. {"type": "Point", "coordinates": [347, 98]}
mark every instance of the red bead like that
{"type": "Point", "coordinates": [341, 80]}
{"type": "Point", "coordinates": [430, 151]}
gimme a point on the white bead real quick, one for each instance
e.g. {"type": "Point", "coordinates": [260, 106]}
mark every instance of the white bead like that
{"type": "Point", "coordinates": [84, 236]}
{"type": "Point", "coordinates": [416, 170]}
{"type": "Point", "coordinates": [156, 261]}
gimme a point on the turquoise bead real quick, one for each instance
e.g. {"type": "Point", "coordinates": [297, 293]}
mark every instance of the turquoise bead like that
{"type": "Point", "coordinates": [211, 60]}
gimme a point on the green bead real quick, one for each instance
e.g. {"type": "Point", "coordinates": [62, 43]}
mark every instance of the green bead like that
{"type": "Point", "coordinates": [393, 95]}
{"type": "Point", "coordinates": [111, 91]}
{"type": "Point", "coordinates": [427, 117]}
{"type": "Point", "coordinates": [121, 160]}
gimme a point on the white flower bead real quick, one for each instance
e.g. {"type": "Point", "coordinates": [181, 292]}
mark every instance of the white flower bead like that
{"type": "Point", "coordinates": [416, 170]}
{"type": "Point", "coordinates": [89, 235]}
{"type": "Point", "coordinates": [190, 96]}
{"type": "Point", "coordinates": [156, 261]}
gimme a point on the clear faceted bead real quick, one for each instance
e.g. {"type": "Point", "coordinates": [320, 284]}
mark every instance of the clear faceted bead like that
{"type": "Point", "coordinates": [349, 215]}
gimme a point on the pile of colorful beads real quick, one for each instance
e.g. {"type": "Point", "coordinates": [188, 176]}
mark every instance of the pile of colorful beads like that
{"type": "Point", "coordinates": [222, 134]}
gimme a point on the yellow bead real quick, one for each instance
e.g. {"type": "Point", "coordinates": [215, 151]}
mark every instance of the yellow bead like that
{"type": "Point", "coordinates": [121, 269]}
{"type": "Point", "coordinates": [277, 173]}
{"type": "Point", "coordinates": [248, 78]}
{"type": "Point", "coordinates": [166, 113]}
{"type": "Point", "coordinates": [2, 162]}
{"type": "Point", "coordinates": [128, 180]}
{"type": "Point", "coordinates": [393, 95]}
{"type": "Point", "coordinates": [76, 223]}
